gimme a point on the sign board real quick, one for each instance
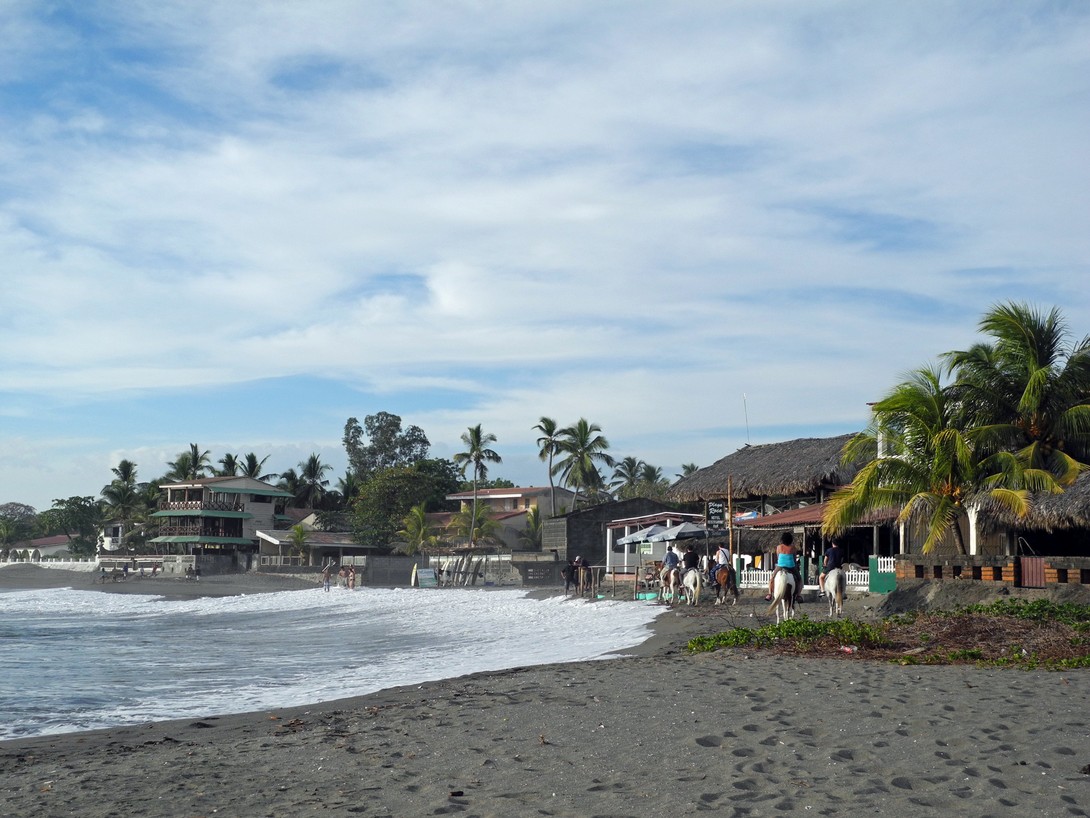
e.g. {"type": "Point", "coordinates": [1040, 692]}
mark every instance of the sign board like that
{"type": "Point", "coordinates": [425, 578]}
{"type": "Point", "coordinates": [716, 514]}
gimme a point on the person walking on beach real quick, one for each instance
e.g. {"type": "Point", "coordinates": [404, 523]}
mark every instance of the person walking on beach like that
{"type": "Point", "coordinates": [327, 575]}
{"type": "Point", "coordinates": [787, 559]}
{"type": "Point", "coordinates": [352, 578]}
{"type": "Point", "coordinates": [834, 558]}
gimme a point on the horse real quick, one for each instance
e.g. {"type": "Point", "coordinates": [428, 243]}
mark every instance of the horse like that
{"type": "Point", "coordinates": [783, 596]}
{"type": "Point", "coordinates": [671, 581]}
{"type": "Point", "coordinates": [724, 577]}
{"type": "Point", "coordinates": [693, 585]}
{"type": "Point", "coordinates": [836, 584]}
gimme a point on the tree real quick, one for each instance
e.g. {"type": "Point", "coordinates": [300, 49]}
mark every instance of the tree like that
{"type": "Point", "coordinates": [531, 534]}
{"type": "Point", "coordinates": [475, 524]}
{"type": "Point", "coordinates": [291, 483]}
{"type": "Point", "coordinates": [312, 482]}
{"type": "Point", "coordinates": [416, 531]}
{"type": "Point", "coordinates": [388, 446]}
{"type": "Point", "coordinates": [688, 468]}
{"type": "Point", "coordinates": [1028, 390]}
{"type": "Point", "coordinates": [229, 466]}
{"type": "Point", "coordinates": [582, 449]}
{"type": "Point", "coordinates": [627, 476]}
{"type": "Point", "coordinates": [17, 522]}
{"type": "Point", "coordinates": [299, 543]}
{"type": "Point", "coordinates": [548, 446]}
{"type": "Point", "coordinates": [251, 467]}
{"type": "Point", "coordinates": [79, 519]}
{"type": "Point", "coordinates": [928, 468]}
{"type": "Point", "coordinates": [479, 456]}
{"type": "Point", "coordinates": [385, 499]}
{"type": "Point", "coordinates": [191, 465]}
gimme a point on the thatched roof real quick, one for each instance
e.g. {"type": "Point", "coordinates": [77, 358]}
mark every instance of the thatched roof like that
{"type": "Point", "coordinates": [770, 470]}
{"type": "Point", "coordinates": [1051, 512]}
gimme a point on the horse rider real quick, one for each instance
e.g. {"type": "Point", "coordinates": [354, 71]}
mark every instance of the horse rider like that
{"type": "Point", "coordinates": [691, 560]}
{"type": "Point", "coordinates": [721, 560]}
{"type": "Point", "coordinates": [787, 559]}
{"type": "Point", "coordinates": [834, 558]}
{"type": "Point", "coordinates": [669, 562]}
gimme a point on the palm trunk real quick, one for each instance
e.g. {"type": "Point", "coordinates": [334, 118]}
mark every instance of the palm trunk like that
{"type": "Point", "coordinates": [552, 488]}
{"type": "Point", "coordinates": [473, 519]}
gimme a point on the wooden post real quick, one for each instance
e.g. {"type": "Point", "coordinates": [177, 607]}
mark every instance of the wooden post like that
{"type": "Point", "coordinates": [730, 519]}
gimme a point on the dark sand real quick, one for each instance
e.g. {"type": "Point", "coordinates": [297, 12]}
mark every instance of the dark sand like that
{"type": "Point", "coordinates": [657, 733]}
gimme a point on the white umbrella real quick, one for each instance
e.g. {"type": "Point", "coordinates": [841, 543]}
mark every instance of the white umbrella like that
{"type": "Point", "coordinates": [643, 535]}
{"type": "Point", "coordinates": [679, 532]}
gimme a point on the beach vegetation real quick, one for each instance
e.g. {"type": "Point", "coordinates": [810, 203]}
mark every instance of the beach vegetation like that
{"type": "Point", "coordinates": [477, 454]}
{"type": "Point", "coordinates": [1009, 633]}
{"type": "Point", "coordinates": [993, 426]}
{"type": "Point", "coordinates": [474, 525]}
{"type": "Point", "coordinates": [300, 546]}
{"type": "Point", "coordinates": [530, 537]}
{"type": "Point", "coordinates": [416, 532]}
{"type": "Point", "coordinates": [192, 464]}
{"type": "Point", "coordinates": [313, 484]}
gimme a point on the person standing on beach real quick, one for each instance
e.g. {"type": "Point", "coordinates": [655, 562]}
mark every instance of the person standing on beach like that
{"type": "Point", "coordinates": [787, 559]}
{"type": "Point", "coordinates": [327, 576]}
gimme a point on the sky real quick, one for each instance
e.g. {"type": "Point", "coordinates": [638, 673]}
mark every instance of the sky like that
{"type": "Point", "coordinates": [699, 225]}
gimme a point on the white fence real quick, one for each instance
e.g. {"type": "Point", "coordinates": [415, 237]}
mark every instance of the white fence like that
{"type": "Point", "coordinates": [760, 578]}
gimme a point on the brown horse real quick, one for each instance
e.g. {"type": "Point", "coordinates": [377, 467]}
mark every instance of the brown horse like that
{"type": "Point", "coordinates": [724, 577]}
{"type": "Point", "coordinates": [671, 584]}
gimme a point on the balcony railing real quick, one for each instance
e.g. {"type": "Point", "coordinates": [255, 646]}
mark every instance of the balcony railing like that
{"type": "Point", "coordinates": [200, 505]}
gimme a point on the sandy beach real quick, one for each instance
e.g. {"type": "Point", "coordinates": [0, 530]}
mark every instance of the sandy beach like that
{"type": "Point", "coordinates": [654, 733]}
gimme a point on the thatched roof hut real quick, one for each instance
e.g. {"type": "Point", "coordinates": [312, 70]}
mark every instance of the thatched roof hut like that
{"type": "Point", "coordinates": [807, 466]}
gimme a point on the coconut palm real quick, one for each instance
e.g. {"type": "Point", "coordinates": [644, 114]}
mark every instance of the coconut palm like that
{"type": "Point", "coordinates": [474, 525]}
{"type": "Point", "coordinates": [1028, 390]}
{"type": "Point", "coordinates": [627, 476]}
{"type": "Point", "coordinates": [191, 465]}
{"type": "Point", "coordinates": [928, 467]}
{"type": "Point", "coordinates": [688, 468]}
{"type": "Point", "coordinates": [416, 530]}
{"type": "Point", "coordinates": [479, 455]}
{"type": "Point", "coordinates": [251, 467]}
{"type": "Point", "coordinates": [291, 483]}
{"type": "Point", "coordinates": [312, 482]}
{"type": "Point", "coordinates": [229, 466]}
{"type": "Point", "coordinates": [583, 448]}
{"type": "Point", "coordinates": [549, 445]}
{"type": "Point", "coordinates": [531, 535]}
{"type": "Point", "coordinates": [125, 472]}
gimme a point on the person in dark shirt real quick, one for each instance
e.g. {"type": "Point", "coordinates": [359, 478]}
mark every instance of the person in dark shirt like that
{"type": "Point", "coordinates": [834, 558]}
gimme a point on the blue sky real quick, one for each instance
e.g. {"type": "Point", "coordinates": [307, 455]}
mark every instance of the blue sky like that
{"type": "Point", "coordinates": [238, 225]}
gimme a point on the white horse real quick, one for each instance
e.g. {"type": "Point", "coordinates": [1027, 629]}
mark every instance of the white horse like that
{"type": "Point", "coordinates": [671, 583]}
{"type": "Point", "coordinates": [693, 584]}
{"type": "Point", "coordinates": [783, 596]}
{"type": "Point", "coordinates": [836, 585]}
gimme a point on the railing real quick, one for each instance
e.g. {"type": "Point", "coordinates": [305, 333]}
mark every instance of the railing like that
{"type": "Point", "coordinates": [200, 505]}
{"type": "Point", "coordinates": [269, 560]}
{"type": "Point", "coordinates": [760, 578]}
{"type": "Point", "coordinates": [887, 565]}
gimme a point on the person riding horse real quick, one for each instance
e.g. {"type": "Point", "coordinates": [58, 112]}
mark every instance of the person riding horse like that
{"type": "Point", "coordinates": [834, 558]}
{"type": "Point", "coordinates": [720, 560]}
{"type": "Point", "coordinates": [670, 562]}
{"type": "Point", "coordinates": [787, 559]}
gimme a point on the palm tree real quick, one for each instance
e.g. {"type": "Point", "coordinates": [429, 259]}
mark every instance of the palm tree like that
{"type": "Point", "coordinates": [191, 465]}
{"type": "Point", "coordinates": [626, 477]}
{"type": "Point", "coordinates": [928, 467]}
{"type": "Point", "coordinates": [474, 524]}
{"type": "Point", "coordinates": [229, 466]}
{"type": "Point", "coordinates": [290, 482]}
{"type": "Point", "coordinates": [416, 531]}
{"type": "Point", "coordinates": [688, 468]}
{"type": "Point", "coordinates": [299, 543]}
{"type": "Point", "coordinates": [477, 453]}
{"type": "Point", "coordinates": [251, 467]}
{"type": "Point", "coordinates": [549, 445]}
{"type": "Point", "coordinates": [531, 535]}
{"type": "Point", "coordinates": [582, 449]}
{"type": "Point", "coordinates": [1028, 390]}
{"type": "Point", "coordinates": [312, 482]}
{"type": "Point", "coordinates": [125, 472]}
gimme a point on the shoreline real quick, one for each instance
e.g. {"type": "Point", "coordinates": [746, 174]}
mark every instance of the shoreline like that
{"type": "Point", "coordinates": [653, 730]}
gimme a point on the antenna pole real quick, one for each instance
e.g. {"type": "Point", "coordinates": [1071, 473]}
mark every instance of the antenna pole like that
{"type": "Point", "coordinates": [745, 408]}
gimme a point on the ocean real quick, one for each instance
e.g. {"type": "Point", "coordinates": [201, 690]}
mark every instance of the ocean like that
{"type": "Point", "coordinates": [75, 660]}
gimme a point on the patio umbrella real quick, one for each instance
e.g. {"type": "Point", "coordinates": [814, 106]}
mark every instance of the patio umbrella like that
{"type": "Point", "coordinates": [643, 535]}
{"type": "Point", "coordinates": [679, 532]}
